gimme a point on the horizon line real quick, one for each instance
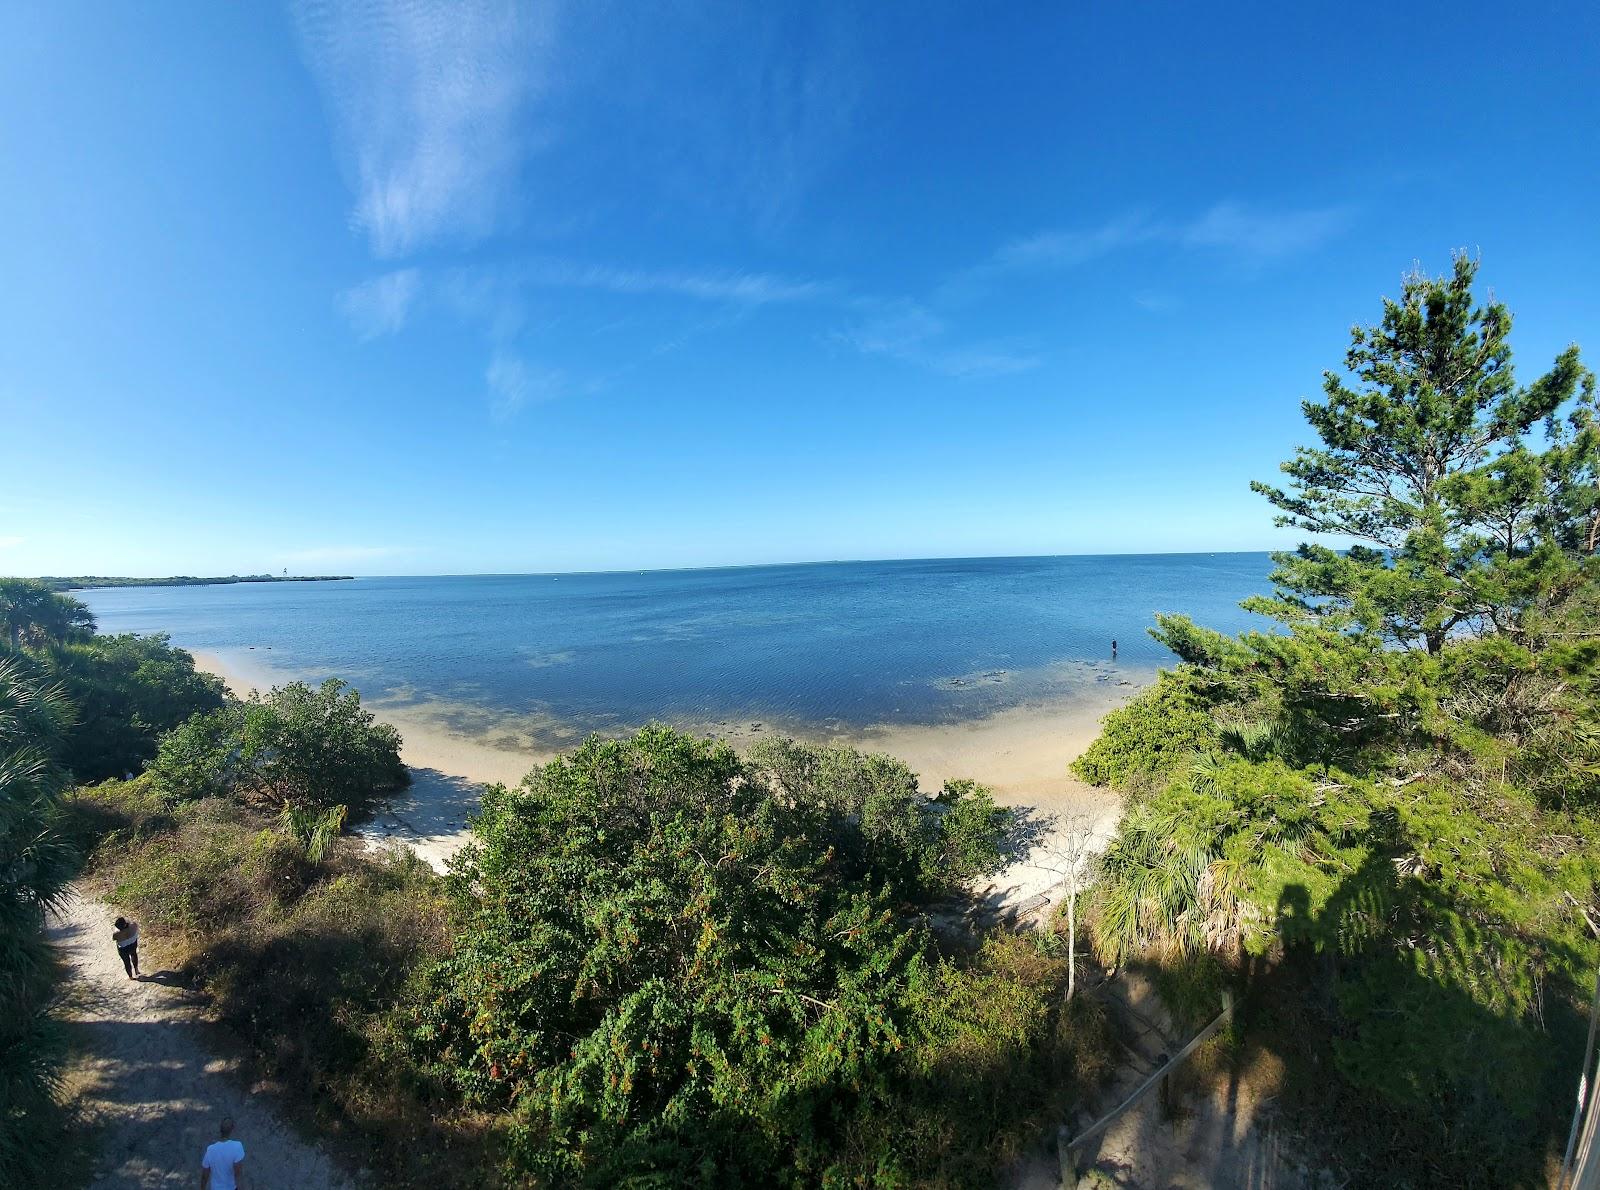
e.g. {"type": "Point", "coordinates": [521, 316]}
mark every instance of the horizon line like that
{"type": "Point", "coordinates": [692, 569]}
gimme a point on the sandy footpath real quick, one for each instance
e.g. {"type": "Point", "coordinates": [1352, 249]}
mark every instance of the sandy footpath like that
{"type": "Point", "coordinates": [145, 1081]}
{"type": "Point", "coordinates": [1022, 754]}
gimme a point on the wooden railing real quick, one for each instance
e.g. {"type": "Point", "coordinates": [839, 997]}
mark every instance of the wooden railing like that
{"type": "Point", "coordinates": [1068, 1148]}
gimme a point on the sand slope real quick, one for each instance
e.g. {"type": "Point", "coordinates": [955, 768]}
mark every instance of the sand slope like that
{"type": "Point", "coordinates": [145, 1081]}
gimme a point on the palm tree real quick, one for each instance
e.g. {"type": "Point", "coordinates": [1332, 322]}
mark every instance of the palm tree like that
{"type": "Point", "coordinates": [35, 866]}
{"type": "Point", "coordinates": [31, 614]}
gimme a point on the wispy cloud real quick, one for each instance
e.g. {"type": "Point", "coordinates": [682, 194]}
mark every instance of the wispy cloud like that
{"type": "Point", "coordinates": [8, 542]}
{"type": "Point", "coordinates": [514, 382]}
{"type": "Point", "coordinates": [745, 288]}
{"type": "Point", "coordinates": [912, 334]}
{"type": "Point", "coordinates": [427, 99]}
{"type": "Point", "coordinates": [894, 329]}
{"type": "Point", "coordinates": [1264, 235]}
{"type": "Point", "coordinates": [981, 363]}
{"type": "Point", "coordinates": [1156, 301]}
{"type": "Point", "coordinates": [1063, 249]}
{"type": "Point", "coordinates": [1250, 236]}
{"type": "Point", "coordinates": [380, 306]}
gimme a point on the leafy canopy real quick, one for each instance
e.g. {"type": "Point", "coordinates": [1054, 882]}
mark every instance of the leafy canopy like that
{"type": "Point", "coordinates": [297, 746]}
{"type": "Point", "coordinates": [128, 691]}
{"type": "Point", "coordinates": [1389, 805]}
{"type": "Point", "coordinates": [32, 615]}
{"type": "Point", "coordinates": [670, 970]}
{"type": "Point", "coordinates": [1425, 461]}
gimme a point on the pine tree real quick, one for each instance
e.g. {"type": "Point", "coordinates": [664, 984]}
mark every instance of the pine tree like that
{"type": "Point", "coordinates": [1425, 464]}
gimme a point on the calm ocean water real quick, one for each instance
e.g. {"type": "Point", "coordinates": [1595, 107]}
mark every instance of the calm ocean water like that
{"type": "Point", "coordinates": [842, 644]}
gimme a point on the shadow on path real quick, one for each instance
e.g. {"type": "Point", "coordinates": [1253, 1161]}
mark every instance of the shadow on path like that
{"type": "Point", "coordinates": [146, 1084]}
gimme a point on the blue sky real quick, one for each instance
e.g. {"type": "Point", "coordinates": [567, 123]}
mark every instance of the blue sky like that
{"type": "Point", "coordinates": [381, 287]}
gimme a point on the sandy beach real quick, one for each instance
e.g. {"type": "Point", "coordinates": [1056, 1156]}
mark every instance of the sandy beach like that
{"type": "Point", "coordinates": [1022, 754]}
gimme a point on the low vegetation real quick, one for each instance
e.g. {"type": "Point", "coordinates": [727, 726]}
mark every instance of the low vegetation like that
{"type": "Point", "coordinates": [650, 967]}
{"type": "Point", "coordinates": [35, 865]}
{"type": "Point", "coordinates": [307, 959]}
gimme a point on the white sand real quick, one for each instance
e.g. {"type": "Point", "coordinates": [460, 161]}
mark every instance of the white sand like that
{"type": "Point", "coordinates": [1022, 754]}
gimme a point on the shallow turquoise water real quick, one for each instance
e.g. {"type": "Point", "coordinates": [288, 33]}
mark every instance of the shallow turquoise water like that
{"type": "Point", "coordinates": [844, 644]}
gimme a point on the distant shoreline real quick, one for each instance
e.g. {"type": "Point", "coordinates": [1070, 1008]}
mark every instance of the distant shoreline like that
{"type": "Point", "coordinates": [92, 582]}
{"type": "Point", "coordinates": [87, 582]}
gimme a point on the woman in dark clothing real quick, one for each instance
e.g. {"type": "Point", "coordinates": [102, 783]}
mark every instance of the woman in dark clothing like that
{"type": "Point", "coordinates": [126, 936]}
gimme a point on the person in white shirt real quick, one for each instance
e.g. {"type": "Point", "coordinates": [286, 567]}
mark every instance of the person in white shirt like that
{"type": "Point", "coordinates": [222, 1168]}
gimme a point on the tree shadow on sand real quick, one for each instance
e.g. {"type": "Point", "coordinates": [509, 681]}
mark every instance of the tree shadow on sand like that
{"type": "Point", "coordinates": [435, 804]}
{"type": "Point", "coordinates": [1028, 830]}
{"type": "Point", "coordinates": [1014, 896]}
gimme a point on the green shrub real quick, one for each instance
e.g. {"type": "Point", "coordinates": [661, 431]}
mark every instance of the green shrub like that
{"type": "Point", "coordinates": [667, 972]}
{"type": "Point", "coordinates": [129, 808]}
{"type": "Point", "coordinates": [1458, 1030]}
{"type": "Point", "coordinates": [209, 872]}
{"type": "Point", "coordinates": [128, 691]}
{"type": "Point", "coordinates": [1163, 728]}
{"type": "Point", "coordinates": [660, 969]}
{"type": "Point", "coordinates": [203, 757]}
{"type": "Point", "coordinates": [878, 820]}
{"type": "Point", "coordinates": [996, 1058]}
{"type": "Point", "coordinates": [969, 835]}
{"type": "Point", "coordinates": [297, 745]}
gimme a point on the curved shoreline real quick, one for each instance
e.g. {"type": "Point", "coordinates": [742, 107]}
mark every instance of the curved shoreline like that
{"type": "Point", "coordinates": [1021, 753]}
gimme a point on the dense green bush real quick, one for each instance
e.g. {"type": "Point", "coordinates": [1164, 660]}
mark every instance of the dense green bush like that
{"type": "Point", "coordinates": [661, 969]}
{"type": "Point", "coordinates": [880, 821]}
{"type": "Point", "coordinates": [203, 757]}
{"type": "Point", "coordinates": [295, 746]}
{"type": "Point", "coordinates": [128, 691]}
{"type": "Point", "coordinates": [668, 971]}
{"type": "Point", "coordinates": [1158, 731]}
{"type": "Point", "coordinates": [995, 1058]}
{"type": "Point", "coordinates": [970, 838]}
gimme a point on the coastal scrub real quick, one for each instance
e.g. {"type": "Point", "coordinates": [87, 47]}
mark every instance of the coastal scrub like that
{"type": "Point", "coordinates": [1383, 819]}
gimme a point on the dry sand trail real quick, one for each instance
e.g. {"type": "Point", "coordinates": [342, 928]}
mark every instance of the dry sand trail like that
{"type": "Point", "coordinates": [146, 1081]}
